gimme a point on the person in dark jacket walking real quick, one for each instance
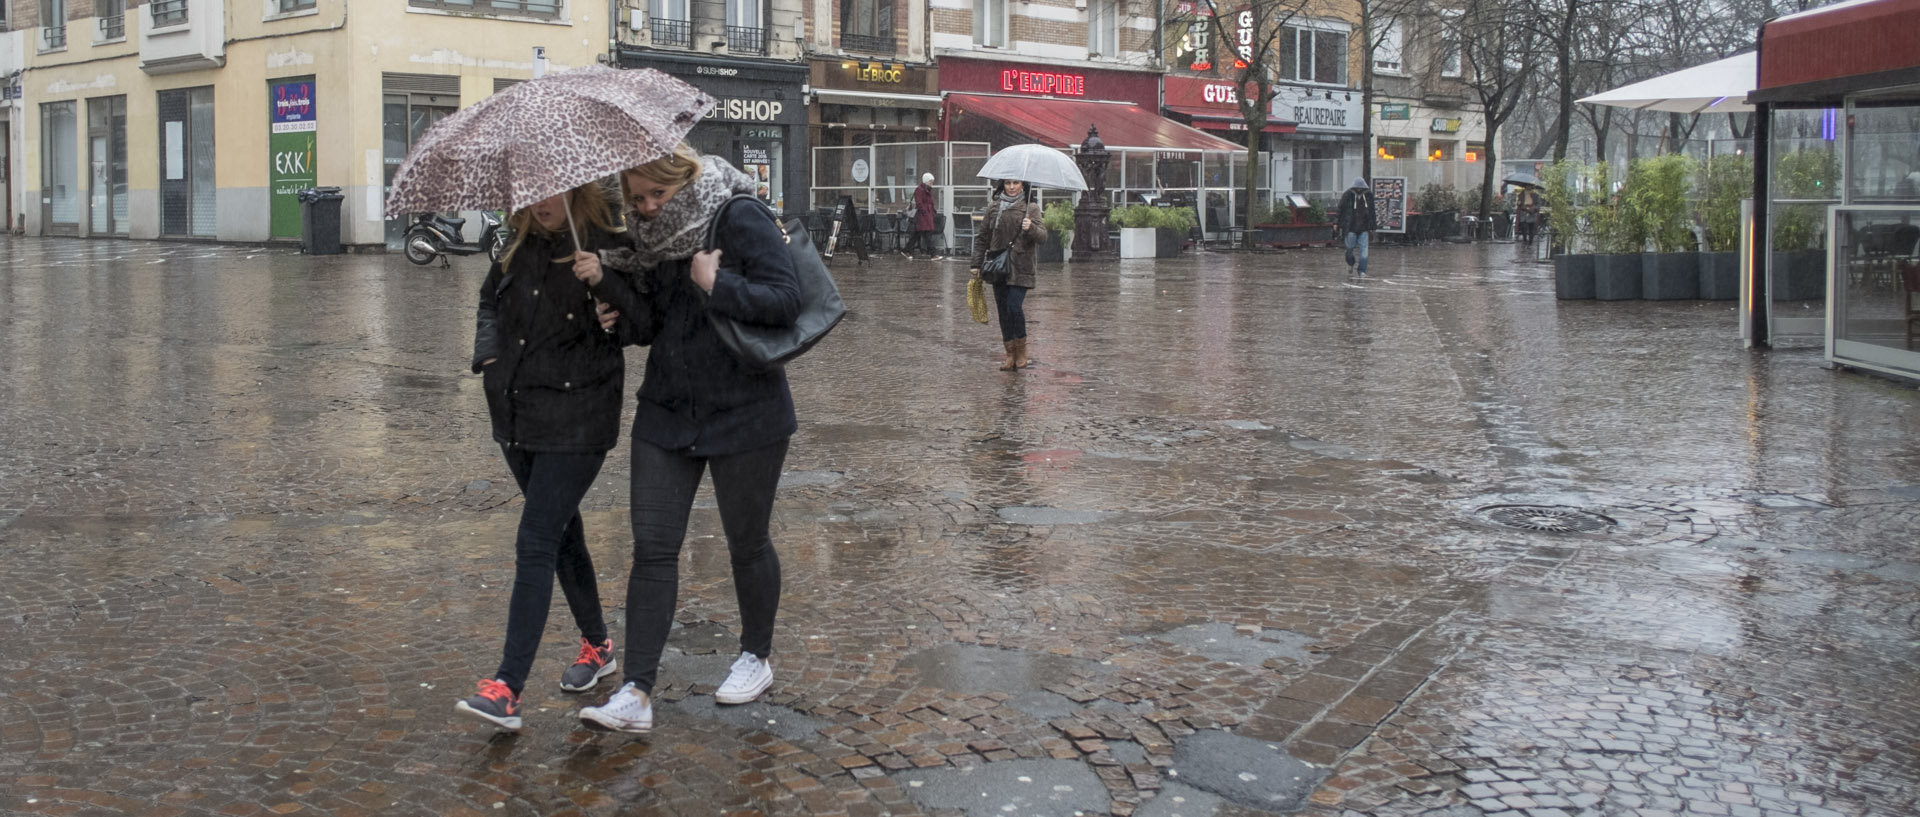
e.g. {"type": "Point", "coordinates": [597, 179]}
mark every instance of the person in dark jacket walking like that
{"type": "Point", "coordinates": [924, 210]}
{"type": "Point", "coordinates": [553, 380]}
{"type": "Point", "coordinates": [846, 231]}
{"type": "Point", "coordinates": [1012, 221]}
{"type": "Point", "coordinates": [700, 409]}
{"type": "Point", "coordinates": [1356, 222]}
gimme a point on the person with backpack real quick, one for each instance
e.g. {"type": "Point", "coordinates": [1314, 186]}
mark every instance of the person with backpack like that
{"type": "Point", "coordinates": [1355, 220]}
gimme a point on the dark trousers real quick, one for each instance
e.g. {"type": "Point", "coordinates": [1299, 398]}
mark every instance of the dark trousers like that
{"type": "Point", "coordinates": [663, 486]}
{"type": "Point", "coordinates": [1011, 302]}
{"type": "Point", "coordinates": [921, 241]}
{"type": "Point", "coordinates": [551, 544]}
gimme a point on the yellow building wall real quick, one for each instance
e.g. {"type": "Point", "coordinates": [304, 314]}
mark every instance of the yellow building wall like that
{"type": "Point", "coordinates": [345, 50]}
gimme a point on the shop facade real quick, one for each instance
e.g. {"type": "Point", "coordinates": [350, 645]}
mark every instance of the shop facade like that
{"type": "Point", "coordinates": [854, 101]}
{"type": "Point", "coordinates": [759, 122]}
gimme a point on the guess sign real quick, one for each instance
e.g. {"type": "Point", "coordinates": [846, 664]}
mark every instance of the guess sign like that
{"type": "Point", "coordinates": [1043, 82]}
{"type": "Point", "coordinates": [1224, 94]}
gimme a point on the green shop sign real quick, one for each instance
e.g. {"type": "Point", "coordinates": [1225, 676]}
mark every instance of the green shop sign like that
{"type": "Point", "coordinates": [290, 150]}
{"type": "Point", "coordinates": [1395, 110]}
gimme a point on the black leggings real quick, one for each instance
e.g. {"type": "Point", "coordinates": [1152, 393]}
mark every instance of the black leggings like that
{"type": "Point", "coordinates": [663, 487]}
{"type": "Point", "coordinates": [551, 543]}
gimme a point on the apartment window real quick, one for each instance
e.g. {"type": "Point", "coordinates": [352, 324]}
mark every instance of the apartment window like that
{"type": "Point", "coordinates": [169, 12]}
{"type": "Point", "coordinates": [990, 23]}
{"type": "Point", "coordinates": [112, 17]}
{"type": "Point", "coordinates": [285, 6]}
{"type": "Point", "coordinates": [745, 34]}
{"type": "Point", "coordinates": [53, 24]}
{"type": "Point", "coordinates": [1387, 49]}
{"type": "Point", "coordinates": [1313, 55]}
{"type": "Point", "coordinates": [867, 25]}
{"type": "Point", "coordinates": [517, 8]}
{"type": "Point", "coordinates": [1450, 45]}
{"type": "Point", "coordinates": [669, 22]}
{"type": "Point", "coordinates": [1103, 27]}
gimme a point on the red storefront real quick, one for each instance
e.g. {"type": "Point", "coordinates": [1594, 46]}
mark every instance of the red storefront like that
{"type": "Point", "coordinates": [1213, 104]}
{"type": "Point", "coordinates": [1006, 103]}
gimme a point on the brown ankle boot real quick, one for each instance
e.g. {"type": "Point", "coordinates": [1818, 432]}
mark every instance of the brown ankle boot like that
{"type": "Point", "coordinates": [1020, 353]}
{"type": "Point", "coordinates": [1007, 366]}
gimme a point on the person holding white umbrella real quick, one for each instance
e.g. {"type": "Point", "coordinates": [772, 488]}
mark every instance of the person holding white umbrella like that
{"type": "Point", "coordinates": [1003, 255]}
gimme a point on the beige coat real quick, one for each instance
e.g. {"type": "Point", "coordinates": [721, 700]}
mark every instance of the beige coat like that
{"type": "Point", "coordinates": [998, 228]}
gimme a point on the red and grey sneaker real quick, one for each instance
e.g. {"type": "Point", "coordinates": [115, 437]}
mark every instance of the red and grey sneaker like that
{"type": "Point", "coordinates": [595, 662]}
{"type": "Point", "coordinates": [495, 703]}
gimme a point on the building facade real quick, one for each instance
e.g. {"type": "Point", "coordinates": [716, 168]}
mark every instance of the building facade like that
{"type": "Point", "coordinates": [202, 119]}
{"type": "Point", "coordinates": [1426, 126]}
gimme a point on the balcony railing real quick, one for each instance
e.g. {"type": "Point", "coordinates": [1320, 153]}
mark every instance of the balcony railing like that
{"type": "Point", "coordinates": [169, 12]}
{"type": "Point", "coordinates": [867, 43]}
{"type": "Point", "coordinates": [113, 28]}
{"type": "Point", "coordinates": [52, 37]}
{"type": "Point", "coordinates": [673, 32]}
{"type": "Point", "coordinates": [745, 40]}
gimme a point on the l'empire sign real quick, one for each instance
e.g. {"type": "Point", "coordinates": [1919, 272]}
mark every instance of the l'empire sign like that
{"type": "Point", "coordinates": [1046, 83]}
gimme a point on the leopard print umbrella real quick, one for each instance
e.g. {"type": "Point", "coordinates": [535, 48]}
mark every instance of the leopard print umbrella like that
{"type": "Point", "coordinates": [545, 136]}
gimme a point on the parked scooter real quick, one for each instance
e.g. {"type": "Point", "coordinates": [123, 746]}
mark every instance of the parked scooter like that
{"type": "Point", "coordinates": [433, 235]}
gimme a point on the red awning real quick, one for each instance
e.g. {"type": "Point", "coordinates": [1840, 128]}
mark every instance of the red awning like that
{"type": "Point", "coordinates": [1840, 49]}
{"type": "Point", "coordinates": [1211, 119]}
{"type": "Point", "coordinates": [1064, 122]}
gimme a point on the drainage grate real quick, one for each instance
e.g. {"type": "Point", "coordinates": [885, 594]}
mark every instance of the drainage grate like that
{"type": "Point", "coordinates": [1545, 518]}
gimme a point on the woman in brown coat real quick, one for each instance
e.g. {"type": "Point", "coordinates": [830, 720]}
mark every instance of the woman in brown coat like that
{"type": "Point", "coordinates": [1012, 220]}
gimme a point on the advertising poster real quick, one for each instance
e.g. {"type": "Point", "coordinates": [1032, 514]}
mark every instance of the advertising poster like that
{"type": "Point", "coordinates": [290, 149]}
{"type": "Point", "coordinates": [1390, 203]}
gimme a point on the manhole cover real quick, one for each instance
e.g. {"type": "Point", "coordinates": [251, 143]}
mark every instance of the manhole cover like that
{"type": "Point", "coordinates": [1545, 518]}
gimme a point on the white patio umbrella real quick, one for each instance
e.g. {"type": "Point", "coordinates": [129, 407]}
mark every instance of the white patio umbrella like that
{"type": "Point", "coordinates": [1037, 165]}
{"type": "Point", "coordinates": [1720, 86]}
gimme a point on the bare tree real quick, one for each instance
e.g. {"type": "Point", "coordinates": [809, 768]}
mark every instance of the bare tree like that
{"type": "Point", "coordinates": [1498, 44]}
{"type": "Point", "coordinates": [1243, 43]}
{"type": "Point", "coordinates": [1376, 19]}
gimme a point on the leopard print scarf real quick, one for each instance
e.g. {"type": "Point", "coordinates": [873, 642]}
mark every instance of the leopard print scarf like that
{"type": "Point", "coordinates": [681, 226]}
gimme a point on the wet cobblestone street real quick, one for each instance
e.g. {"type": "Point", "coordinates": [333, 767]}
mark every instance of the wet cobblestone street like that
{"type": "Point", "coordinates": [1240, 516]}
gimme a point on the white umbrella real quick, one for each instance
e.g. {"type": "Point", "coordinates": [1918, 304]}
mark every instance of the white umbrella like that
{"type": "Point", "coordinates": [1037, 165]}
{"type": "Point", "coordinates": [1720, 86]}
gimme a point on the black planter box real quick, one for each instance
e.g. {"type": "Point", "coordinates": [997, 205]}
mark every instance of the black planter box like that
{"type": "Point", "coordinates": [1670, 276]}
{"type": "Point", "coordinates": [1616, 277]}
{"type": "Point", "coordinates": [1719, 276]}
{"type": "Point", "coordinates": [1167, 243]}
{"type": "Point", "coordinates": [1799, 275]}
{"type": "Point", "coordinates": [1050, 251]}
{"type": "Point", "coordinates": [1573, 277]}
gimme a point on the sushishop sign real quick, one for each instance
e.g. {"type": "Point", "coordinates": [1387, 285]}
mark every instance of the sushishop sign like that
{"type": "Point", "coordinates": [1315, 112]}
{"type": "Point", "coordinates": [750, 110]}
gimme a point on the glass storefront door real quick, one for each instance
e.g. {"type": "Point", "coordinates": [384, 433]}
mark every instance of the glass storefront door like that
{"type": "Point", "coordinates": [59, 174]}
{"type": "Point", "coordinates": [187, 192]}
{"type": "Point", "coordinates": [107, 160]}
{"type": "Point", "coordinates": [403, 118]}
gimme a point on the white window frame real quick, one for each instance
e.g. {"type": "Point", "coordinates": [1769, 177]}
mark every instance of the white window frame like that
{"type": "Point", "coordinates": [1389, 56]}
{"type": "Point", "coordinates": [1317, 27]}
{"type": "Point", "coordinates": [1449, 39]}
{"type": "Point", "coordinates": [1103, 28]}
{"type": "Point", "coordinates": [744, 14]}
{"type": "Point", "coordinates": [990, 23]}
{"type": "Point", "coordinates": [676, 10]}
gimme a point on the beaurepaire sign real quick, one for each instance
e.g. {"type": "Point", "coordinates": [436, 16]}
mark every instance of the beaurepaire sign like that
{"type": "Point", "coordinates": [1315, 112]}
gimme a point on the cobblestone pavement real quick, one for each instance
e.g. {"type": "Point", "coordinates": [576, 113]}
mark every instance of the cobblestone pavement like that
{"type": "Point", "coordinates": [256, 542]}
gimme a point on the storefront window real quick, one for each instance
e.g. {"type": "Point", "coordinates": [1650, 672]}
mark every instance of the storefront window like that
{"type": "Point", "coordinates": [1475, 150]}
{"type": "Point", "coordinates": [1440, 151]}
{"type": "Point", "coordinates": [1885, 158]}
{"type": "Point", "coordinates": [58, 172]}
{"type": "Point", "coordinates": [1397, 148]}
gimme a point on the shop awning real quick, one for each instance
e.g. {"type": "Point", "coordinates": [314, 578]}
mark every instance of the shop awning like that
{"type": "Point", "coordinates": [1720, 86]}
{"type": "Point", "coordinates": [1822, 55]}
{"type": "Point", "coordinates": [1211, 119]}
{"type": "Point", "coordinates": [1064, 122]}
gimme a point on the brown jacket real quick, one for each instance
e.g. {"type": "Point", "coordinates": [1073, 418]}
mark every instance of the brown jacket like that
{"type": "Point", "coordinates": [997, 229]}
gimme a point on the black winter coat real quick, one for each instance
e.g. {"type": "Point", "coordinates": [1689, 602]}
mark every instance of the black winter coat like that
{"type": "Point", "coordinates": [1356, 212]}
{"type": "Point", "coordinates": [697, 398]}
{"type": "Point", "coordinates": [557, 379]}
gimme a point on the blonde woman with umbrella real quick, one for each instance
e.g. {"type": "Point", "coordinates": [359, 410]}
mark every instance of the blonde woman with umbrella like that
{"type": "Point", "coordinates": [553, 379]}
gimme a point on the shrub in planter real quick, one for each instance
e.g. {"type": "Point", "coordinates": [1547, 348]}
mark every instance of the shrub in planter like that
{"type": "Point", "coordinates": [1058, 218]}
{"type": "Point", "coordinates": [1725, 180]}
{"type": "Point", "coordinates": [1435, 197]}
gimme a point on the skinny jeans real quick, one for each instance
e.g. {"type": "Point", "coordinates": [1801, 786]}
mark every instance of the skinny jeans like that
{"type": "Point", "coordinates": [551, 544]}
{"type": "Point", "coordinates": [1011, 302]}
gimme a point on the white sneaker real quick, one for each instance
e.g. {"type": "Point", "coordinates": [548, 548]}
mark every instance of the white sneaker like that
{"type": "Point", "coordinates": [629, 710]}
{"type": "Point", "coordinates": [750, 677]}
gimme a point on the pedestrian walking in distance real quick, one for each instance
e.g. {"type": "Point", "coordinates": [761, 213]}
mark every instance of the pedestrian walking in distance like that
{"type": "Point", "coordinates": [1013, 223]}
{"type": "Point", "coordinates": [553, 379]}
{"type": "Point", "coordinates": [1356, 223]}
{"type": "Point", "coordinates": [701, 410]}
{"type": "Point", "coordinates": [1526, 213]}
{"type": "Point", "coordinates": [924, 210]}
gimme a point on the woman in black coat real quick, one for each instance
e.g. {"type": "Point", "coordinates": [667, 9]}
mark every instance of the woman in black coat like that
{"type": "Point", "coordinates": [700, 409]}
{"type": "Point", "coordinates": [1011, 222]}
{"type": "Point", "coordinates": [553, 380]}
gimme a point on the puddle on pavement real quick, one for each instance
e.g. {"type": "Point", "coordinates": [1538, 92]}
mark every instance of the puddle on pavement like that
{"type": "Point", "coordinates": [849, 434]}
{"type": "Point", "coordinates": [760, 716]}
{"type": "Point", "coordinates": [1248, 772]}
{"type": "Point", "coordinates": [975, 670]}
{"type": "Point", "coordinates": [1179, 800]}
{"type": "Point", "coordinates": [1029, 788]}
{"type": "Point", "coordinates": [1220, 641]}
{"type": "Point", "coordinates": [1044, 705]}
{"type": "Point", "coordinates": [1053, 516]}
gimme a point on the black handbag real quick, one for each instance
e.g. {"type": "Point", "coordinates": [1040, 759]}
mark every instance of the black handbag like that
{"type": "Point", "coordinates": [997, 267]}
{"type": "Point", "coordinates": [763, 347]}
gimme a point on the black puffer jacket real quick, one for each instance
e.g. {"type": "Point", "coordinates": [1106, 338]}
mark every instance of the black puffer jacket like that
{"type": "Point", "coordinates": [696, 397]}
{"type": "Point", "coordinates": [556, 381]}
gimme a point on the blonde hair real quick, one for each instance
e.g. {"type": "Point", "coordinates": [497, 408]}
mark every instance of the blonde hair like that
{"type": "Point", "coordinates": [592, 208]}
{"type": "Point", "coordinates": [674, 169]}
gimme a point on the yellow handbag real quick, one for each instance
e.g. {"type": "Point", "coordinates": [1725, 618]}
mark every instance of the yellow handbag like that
{"type": "Point", "coordinates": [977, 300]}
